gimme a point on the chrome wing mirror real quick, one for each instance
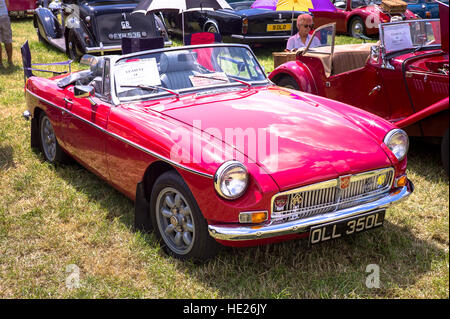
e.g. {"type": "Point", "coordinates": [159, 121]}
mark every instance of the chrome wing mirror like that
{"type": "Point", "coordinates": [84, 92]}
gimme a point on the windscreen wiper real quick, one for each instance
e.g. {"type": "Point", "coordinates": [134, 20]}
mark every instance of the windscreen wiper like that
{"type": "Point", "coordinates": [152, 88]}
{"type": "Point", "coordinates": [220, 79]}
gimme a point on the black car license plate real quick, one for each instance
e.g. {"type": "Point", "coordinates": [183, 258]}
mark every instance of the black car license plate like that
{"type": "Point", "coordinates": [346, 227]}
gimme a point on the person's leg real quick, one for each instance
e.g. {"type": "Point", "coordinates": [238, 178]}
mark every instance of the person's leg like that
{"type": "Point", "coordinates": [8, 47]}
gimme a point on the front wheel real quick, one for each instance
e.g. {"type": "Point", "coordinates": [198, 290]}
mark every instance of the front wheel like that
{"type": "Point", "coordinates": [178, 221]}
{"type": "Point", "coordinates": [444, 151]}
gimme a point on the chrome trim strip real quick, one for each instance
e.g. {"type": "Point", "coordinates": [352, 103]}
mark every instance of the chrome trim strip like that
{"type": "Point", "coordinates": [237, 232]}
{"type": "Point", "coordinates": [120, 138]}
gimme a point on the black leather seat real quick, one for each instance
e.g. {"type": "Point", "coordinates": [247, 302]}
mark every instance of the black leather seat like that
{"type": "Point", "coordinates": [175, 68]}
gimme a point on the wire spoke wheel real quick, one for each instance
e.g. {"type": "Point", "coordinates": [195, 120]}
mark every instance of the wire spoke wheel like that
{"type": "Point", "coordinates": [175, 221]}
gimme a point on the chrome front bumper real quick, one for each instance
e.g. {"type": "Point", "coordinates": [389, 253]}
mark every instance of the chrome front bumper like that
{"type": "Point", "coordinates": [112, 48]}
{"type": "Point", "coordinates": [270, 229]}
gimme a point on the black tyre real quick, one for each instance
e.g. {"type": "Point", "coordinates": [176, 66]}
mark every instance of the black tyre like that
{"type": "Point", "coordinates": [177, 220]}
{"type": "Point", "coordinates": [444, 151]}
{"type": "Point", "coordinates": [48, 143]}
{"type": "Point", "coordinates": [73, 48]}
{"type": "Point", "coordinates": [356, 27]}
{"type": "Point", "coordinates": [288, 82]}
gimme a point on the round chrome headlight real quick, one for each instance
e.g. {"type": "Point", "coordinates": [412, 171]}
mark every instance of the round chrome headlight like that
{"type": "Point", "coordinates": [398, 142]}
{"type": "Point", "coordinates": [231, 180]}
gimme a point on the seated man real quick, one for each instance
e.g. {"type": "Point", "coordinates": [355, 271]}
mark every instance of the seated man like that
{"type": "Point", "coordinates": [300, 39]}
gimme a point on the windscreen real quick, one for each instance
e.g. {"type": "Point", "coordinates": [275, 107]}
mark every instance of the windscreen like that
{"type": "Point", "coordinates": [185, 69]}
{"type": "Point", "coordinates": [412, 34]}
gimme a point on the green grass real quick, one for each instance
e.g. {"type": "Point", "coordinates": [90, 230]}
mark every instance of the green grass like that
{"type": "Point", "coordinates": [55, 216]}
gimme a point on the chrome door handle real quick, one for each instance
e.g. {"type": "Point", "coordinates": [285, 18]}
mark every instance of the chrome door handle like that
{"type": "Point", "coordinates": [68, 100]}
{"type": "Point", "coordinates": [377, 88]}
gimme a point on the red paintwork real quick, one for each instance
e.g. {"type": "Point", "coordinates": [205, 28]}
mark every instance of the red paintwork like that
{"type": "Point", "coordinates": [21, 5]}
{"type": "Point", "coordinates": [313, 140]}
{"type": "Point", "coordinates": [422, 112]}
{"type": "Point", "coordinates": [369, 14]}
{"type": "Point", "coordinates": [443, 12]}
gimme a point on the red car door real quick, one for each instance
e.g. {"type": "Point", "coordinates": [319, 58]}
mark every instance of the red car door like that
{"type": "Point", "coordinates": [85, 131]}
{"type": "Point", "coordinates": [361, 87]}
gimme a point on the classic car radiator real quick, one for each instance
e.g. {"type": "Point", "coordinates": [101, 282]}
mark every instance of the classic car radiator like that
{"type": "Point", "coordinates": [332, 195]}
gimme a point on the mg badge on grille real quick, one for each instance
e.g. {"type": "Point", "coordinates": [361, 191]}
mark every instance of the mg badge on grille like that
{"type": "Point", "coordinates": [344, 181]}
{"type": "Point", "coordinates": [296, 200]}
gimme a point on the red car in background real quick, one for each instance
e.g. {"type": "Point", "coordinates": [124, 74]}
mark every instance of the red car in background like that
{"type": "Point", "coordinates": [355, 17]}
{"type": "Point", "coordinates": [212, 152]}
{"type": "Point", "coordinates": [404, 78]}
{"type": "Point", "coordinates": [21, 8]}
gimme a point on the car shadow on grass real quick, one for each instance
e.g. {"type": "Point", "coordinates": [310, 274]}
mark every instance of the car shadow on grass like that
{"type": "Point", "coordinates": [343, 268]}
{"type": "Point", "coordinates": [424, 158]}
{"type": "Point", "coordinates": [6, 157]}
{"type": "Point", "coordinates": [337, 269]}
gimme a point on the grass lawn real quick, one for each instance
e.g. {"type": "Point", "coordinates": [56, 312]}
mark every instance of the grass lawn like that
{"type": "Point", "coordinates": [58, 223]}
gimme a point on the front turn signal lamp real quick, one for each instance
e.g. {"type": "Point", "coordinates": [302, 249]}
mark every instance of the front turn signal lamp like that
{"type": "Point", "coordinates": [401, 181]}
{"type": "Point", "coordinates": [253, 217]}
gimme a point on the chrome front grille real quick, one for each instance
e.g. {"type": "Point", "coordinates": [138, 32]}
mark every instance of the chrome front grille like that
{"type": "Point", "coordinates": [331, 195]}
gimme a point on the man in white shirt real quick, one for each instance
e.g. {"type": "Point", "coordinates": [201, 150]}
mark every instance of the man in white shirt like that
{"type": "Point", "coordinates": [300, 39]}
{"type": "Point", "coordinates": [5, 32]}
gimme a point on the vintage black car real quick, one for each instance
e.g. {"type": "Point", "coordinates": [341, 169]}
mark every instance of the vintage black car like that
{"type": "Point", "coordinates": [241, 24]}
{"type": "Point", "coordinates": [78, 27]}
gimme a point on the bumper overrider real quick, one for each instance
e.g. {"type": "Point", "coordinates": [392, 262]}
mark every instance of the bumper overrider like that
{"type": "Point", "coordinates": [270, 229]}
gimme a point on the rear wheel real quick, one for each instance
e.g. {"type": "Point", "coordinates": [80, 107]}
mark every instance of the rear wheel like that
{"type": "Point", "coordinates": [73, 48]}
{"type": "Point", "coordinates": [178, 221]}
{"type": "Point", "coordinates": [288, 82]}
{"type": "Point", "coordinates": [356, 27]}
{"type": "Point", "coordinates": [212, 28]}
{"type": "Point", "coordinates": [53, 153]}
{"type": "Point", "coordinates": [444, 151]}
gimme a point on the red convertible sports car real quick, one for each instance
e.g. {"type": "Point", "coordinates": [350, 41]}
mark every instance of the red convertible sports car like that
{"type": "Point", "coordinates": [403, 78]}
{"type": "Point", "coordinates": [355, 17]}
{"type": "Point", "coordinates": [212, 152]}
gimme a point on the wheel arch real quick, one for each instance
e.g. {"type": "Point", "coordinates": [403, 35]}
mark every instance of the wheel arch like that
{"type": "Point", "coordinates": [142, 220]}
{"type": "Point", "coordinates": [35, 127]}
{"type": "Point", "coordinates": [153, 171]}
{"type": "Point", "coordinates": [300, 75]}
{"type": "Point", "coordinates": [213, 22]}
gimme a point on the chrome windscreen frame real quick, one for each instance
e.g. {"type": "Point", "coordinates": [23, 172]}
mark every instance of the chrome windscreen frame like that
{"type": "Point", "coordinates": [114, 59]}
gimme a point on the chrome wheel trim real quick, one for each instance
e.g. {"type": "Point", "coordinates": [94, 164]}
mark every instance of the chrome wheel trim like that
{"type": "Point", "coordinates": [212, 28]}
{"type": "Point", "coordinates": [48, 139]}
{"type": "Point", "coordinates": [175, 221]}
{"type": "Point", "coordinates": [357, 27]}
